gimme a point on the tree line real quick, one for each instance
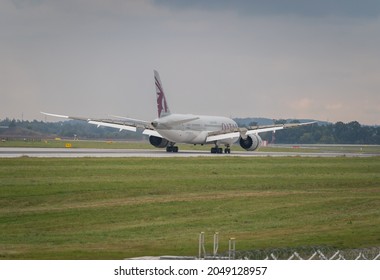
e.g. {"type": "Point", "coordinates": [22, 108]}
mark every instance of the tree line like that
{"type": "Point", "coordinates": [338, 133]}
{"type": "Point", "coordinates": [69, 129]}
{"type": "Point", "coordinates": [326, 133]}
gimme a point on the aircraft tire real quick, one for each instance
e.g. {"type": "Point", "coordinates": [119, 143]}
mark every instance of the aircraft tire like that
{"type": "Point", "coordinates": [172, 149]}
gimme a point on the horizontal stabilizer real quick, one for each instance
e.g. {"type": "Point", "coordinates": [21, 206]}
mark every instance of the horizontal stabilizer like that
{"type": "Point", "coordinates": [171, 124]}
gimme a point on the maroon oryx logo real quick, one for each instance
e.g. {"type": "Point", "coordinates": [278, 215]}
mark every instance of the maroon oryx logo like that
{"type": "Point", "coordinates": [161, 101]}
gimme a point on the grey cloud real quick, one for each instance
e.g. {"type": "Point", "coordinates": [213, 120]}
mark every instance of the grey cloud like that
{"type": "Point", "coordinates": [94, 58]}
{"type": "Point", "coordinates": [307, 8]}
{"type": "Point", "coordinates": [23, 4]}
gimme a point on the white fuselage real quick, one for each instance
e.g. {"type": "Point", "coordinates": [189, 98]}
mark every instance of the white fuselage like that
{"type": "Point", "coordinates": [193, 129]}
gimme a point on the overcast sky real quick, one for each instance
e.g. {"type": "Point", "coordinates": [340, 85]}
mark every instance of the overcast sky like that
{"type": "Point", "coordinates": [273, 58]}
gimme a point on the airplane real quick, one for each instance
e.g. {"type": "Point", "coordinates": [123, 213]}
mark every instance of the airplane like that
{"type": "Point", "coordinates": [169, 128]}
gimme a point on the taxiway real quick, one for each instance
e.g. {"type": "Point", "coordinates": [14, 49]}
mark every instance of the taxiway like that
{"type": "Point", "coordinates": [80, 152]}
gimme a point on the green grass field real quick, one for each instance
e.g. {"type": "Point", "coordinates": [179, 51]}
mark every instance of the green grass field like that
{"type": "Point", "coordinates": [102, 208]}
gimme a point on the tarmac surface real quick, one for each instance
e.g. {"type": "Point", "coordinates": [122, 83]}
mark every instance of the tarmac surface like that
{"type": "Point", "coordinates": [80, 152]}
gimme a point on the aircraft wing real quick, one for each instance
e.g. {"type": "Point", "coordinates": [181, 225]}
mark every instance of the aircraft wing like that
{"type": "Point", "coordinates": [152, 132]}
{"type": "Point", "coordinates": [139, 123]}
{"type": "Point", "coordinates": [220, 135]}
{"type": "Point", "coordinates": [259, 129]}
{"type": "Point", "coordinates": [127, 124]}
{"type": "Point", "coordinates": [243, 132]}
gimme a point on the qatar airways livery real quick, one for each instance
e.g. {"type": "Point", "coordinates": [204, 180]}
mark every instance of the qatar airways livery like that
{"type": "Point", "coordinates": [169, 129]}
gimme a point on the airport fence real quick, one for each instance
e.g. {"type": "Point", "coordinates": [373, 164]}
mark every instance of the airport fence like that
{"type": "Point", "coordinates": [305, 253]}
{"type": "Point", "coordinates": [298, 253]}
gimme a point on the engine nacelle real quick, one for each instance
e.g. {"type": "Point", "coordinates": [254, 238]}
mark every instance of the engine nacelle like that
{"type": "Point", "coordinates": [158, 142]}
{"type": "Point", "coordinates": [251, 143]}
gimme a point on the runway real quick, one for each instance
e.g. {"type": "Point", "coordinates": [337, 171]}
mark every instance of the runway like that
{"type": "Point", "coordinates": [80, 153]}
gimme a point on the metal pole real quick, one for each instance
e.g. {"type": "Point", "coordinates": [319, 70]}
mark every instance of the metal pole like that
{"type": "Point", "coordinates": [216, 243]}
{"type": "Point", "coordinates": [231, 248]}
{"type": "Point", "coordinates": [201, 244]}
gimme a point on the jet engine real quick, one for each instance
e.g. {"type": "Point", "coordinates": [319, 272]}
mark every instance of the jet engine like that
{"type": "Point", "coordinates": [251, 143]}
{"type": "Point", "coordinates": [158, 142]}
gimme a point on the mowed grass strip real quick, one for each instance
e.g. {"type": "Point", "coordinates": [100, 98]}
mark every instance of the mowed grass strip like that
{"type": "Point", "coordinates": [101, 144]}
{"type": "Point", "coordinates": [106, 208]}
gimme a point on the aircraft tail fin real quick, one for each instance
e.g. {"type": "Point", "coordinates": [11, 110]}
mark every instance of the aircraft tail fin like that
{"type": "Point", "coordinates": [162, 105]}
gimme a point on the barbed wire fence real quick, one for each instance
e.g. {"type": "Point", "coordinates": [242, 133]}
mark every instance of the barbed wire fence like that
{"type": "Point", "coordinates": [297, 253]}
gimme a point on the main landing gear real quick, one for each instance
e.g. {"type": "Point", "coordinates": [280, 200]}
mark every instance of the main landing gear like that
{"type": "Point", "coordinates": [217, 150]}
{"type": "Point", "coordinates": [172, 149]}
